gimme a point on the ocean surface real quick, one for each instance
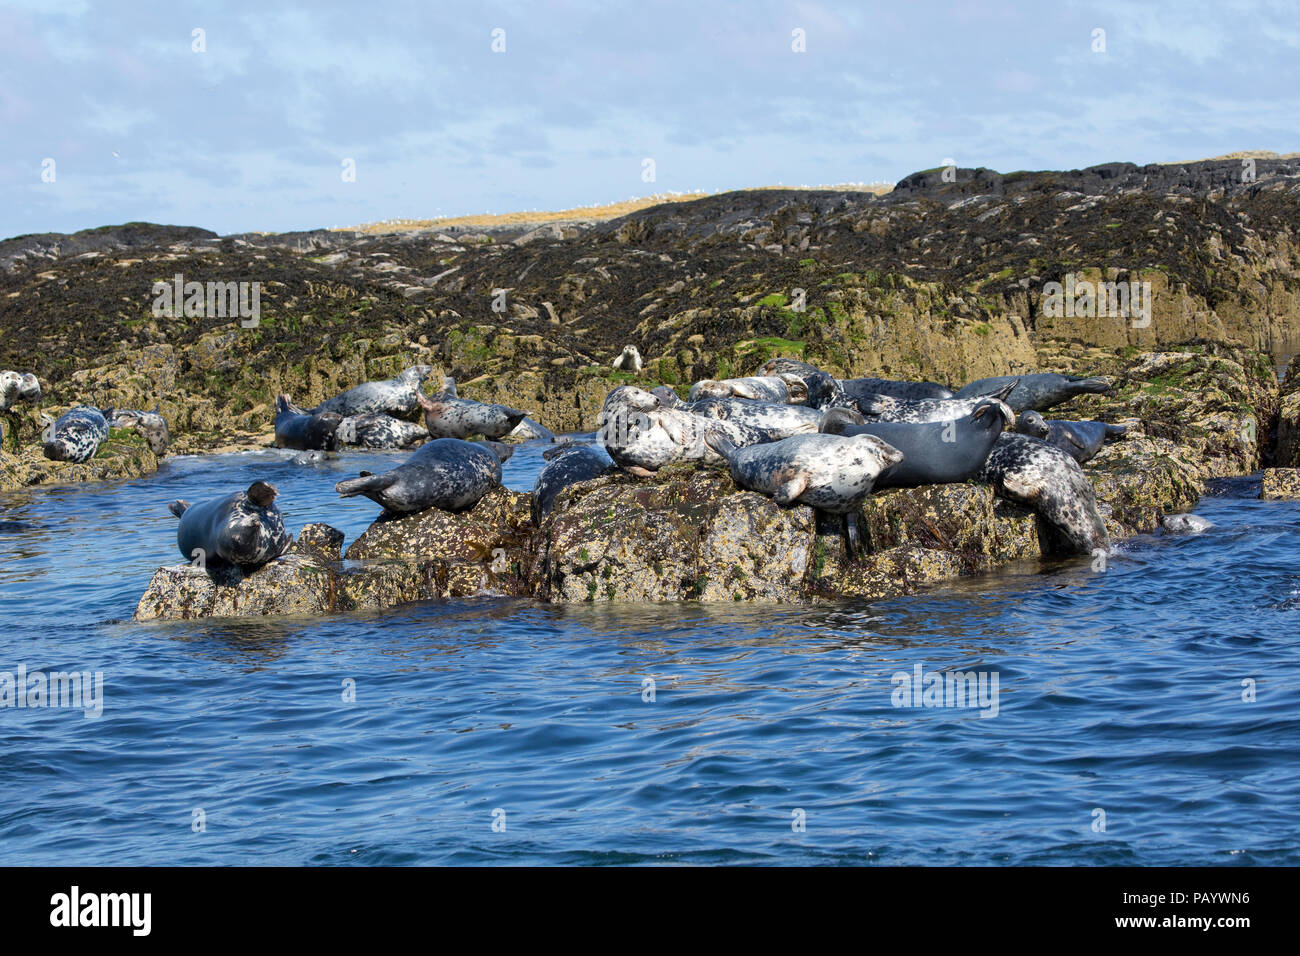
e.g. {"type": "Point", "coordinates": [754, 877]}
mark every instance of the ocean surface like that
{"type": "Point", "coordinates": [501, 731]}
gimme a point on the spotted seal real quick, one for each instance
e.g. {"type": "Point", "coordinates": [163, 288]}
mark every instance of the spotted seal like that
{"type": "Point", "coordinates": [1034, 473]}
{"type": "Point", "coordinates": [244, 528]}
{"type": "Point", "coordinates": [780, 421]}
{"type": "Point", "coordinates": [150, 424]}
{"type": "Point", "coordinates": [302, 430]}
{"type": "Point", "coordinates": [567, 465]}
{"type": "Point", "coordinates": [447, 416]}
{"type": "Point", "coordinates": [1080, 440]}
{"type": "Point", "coordinates": [784, 389]}
{"type": "Point", "coordinates": [379, 430]}
{"type": "Point", "coordinates": [394, 396]}
{"type": "Point", "coordinates": [883, 408]}
{"type": "Point", "coordinates": [934, 453]}
{"type": "Point", "coordinates": [823, 388]}
{"type": "Point", "coordinates": [18, 387]}
{"type": "Point", "coordinates": [642, 436]}
{"type": "Point", "coordinates": [75, 436]}
{"type": "Point", "coordinates": [1039, 391]}
{"type": "Point", "coordinates": [447, 473]}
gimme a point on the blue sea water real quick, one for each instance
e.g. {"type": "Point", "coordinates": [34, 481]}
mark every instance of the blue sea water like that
{"type": "Point", "coordinates": [771, 737]}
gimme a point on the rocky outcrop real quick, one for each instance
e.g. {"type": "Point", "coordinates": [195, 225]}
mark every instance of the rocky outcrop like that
{"type": "Point", "coordinates": [125, 454]}
{"type": "Point", "coordinates": [1280, 484]}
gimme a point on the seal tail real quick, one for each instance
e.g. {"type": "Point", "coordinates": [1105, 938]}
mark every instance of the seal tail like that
{"type": "Point", "coordinates": [178, 507]}
{"type": "Point", "coordinates": [1005, 391]}
{"type": "Point", "coordinates": [364, 485]}
{"type": "Point", "coordinates": [1116, 431]}
{"type": "Point", "coordinates": [835, 420]}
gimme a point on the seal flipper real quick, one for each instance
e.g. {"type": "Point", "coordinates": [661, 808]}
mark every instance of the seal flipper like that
{"type": "Point", "coordinates": [852, 539]}
{"type": "Point", "coordinates": [835, 420]}
{"type": "Point", "coordinates": [1074, 440]}
{"type": "Point", "coordinates": [178, 507]}
{"type": "Point", "coordinates": [365, 484]}
{"type": "Point", "coordinates": [1116, 431]}
{"type": "Point", "coordinates": [1021, 491]}
{"type": "Point", "coordinates": [791, 490]}
{"type": "Point", "coordinates": [1005, 391]}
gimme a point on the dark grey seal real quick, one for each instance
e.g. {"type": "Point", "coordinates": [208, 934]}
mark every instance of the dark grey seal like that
{"type": "Point", "coordinates": [394, 396]}
{"type": "Point", "coordinates": [567, 465]}
{"type": "Point", "coordinates": [447, 416]}
{"type": "Point", "coordinates": [447, 473]}
{"type": "Point", "coordinates": [934, 453]}
{"type": "Point", "coordinates": [1080, 440]}
{"type": "Point", "coordinates": [884, 408]}
{"type": "Point", "coordinates": [1039, 391]}
{"type": "Point", "coordinates": [150, 424]}
{"type": "Point", "coordinates": [379, 430]}
{"type": "Point", "coordinates": [1034, 473]}
{"type": "Point", "coordinates": [244, 528]}
{"type": "Point", "coordinates": [302, 430]}
{"type": "Point", "coordinates": [75, 436]}
{"type": "Point", "coordinates": [857, 388]}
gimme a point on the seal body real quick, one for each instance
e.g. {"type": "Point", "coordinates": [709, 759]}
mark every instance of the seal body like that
{"type": "Point", "coordinates": [857, 388]}
{"type": "Point", "coordinates": [379, 430]}
{"type": "Point", "coordinates": [76, 435]}
{"type": "Point", "coordinates": [1038, 392]}
{"type": "Point", "coordinates": [780, 421]}
{"type": "Point", "coordinates": [447, 416]}
{"type": "Point", "coordinates": [934, 453]}
{"type": "Point", "coordinates": [394, 396]}
{"type": "Point", "coordinates": [18, 387]}
{"type": "Point", "coordinates": [831, 472]}
{"type": "Point", "coordinates": [1080, 440]}
{"type": "Point", "coordinates": [883, 408]}
{"type": "Point", "coordinates": [567, 465]}
{"type": "Point", "coordinates": [447, 473]}
{"type": "Point", "coordinates": [302, 430]}
{"type": "Point", "coordinates": [150, 424]}
{"type": "Point", "coordinates": [1034, 473]}
{"type": "Point", "coordinates": [245, 528]}
{"type": "Point", "coordinates": [823, 388]}
{"type": "Point", "coordinates": [784, 389]}
{"type": "Point", "coordinates": [643, 437]}
{"type": "Point", "coordinates": [1185, 524]}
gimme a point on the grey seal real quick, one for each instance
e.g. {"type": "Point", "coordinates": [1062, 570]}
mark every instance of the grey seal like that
{"type": "Point", "coordinates": [642, 436]}
{"type": "Point", "coordinates": [784, 389]}
{"type": "Point", "coordinates": [780, 421]}
{"type": "Point", "coordinates": [150, 424]}
{"type": "Point", "coordinates": [934, 453]}
{"type": "Point", "coordinates": [302, 430]}
{"type": "Point", "coordinates": [75, 436]}
{"type": "Point", "coordinates": [567, 465]}
{"type": "Point", "coordinates": [18, 387]}
{"type": "Point", "coordinates": [447, 473]}
{"type": "Point", "coordinates": [395, 396]}
{"type": "Point", "coordinates": [1039, 391]}
{"type": "Point", "coordinates": [823, 388]}
{"type": "Point", "coordinates": [379, 430]}
{"type": "Point", "coordinates": [1034, 473]}
{"type": "Point", "coordinates": [1080, 440]}
{"type": "Point", "coordinates": [629, 359]}
{"type": "Point", "coordinates": [447, 416]}
{"type": "Point", "coordinates": [1185, 524]}
{"type": "Point", "coordinates": [857, 388]}
{"type": "Point", "coordinates": [883, 408]}
{"type": "Point", "coordinates": [244, 528]}
{"type": "Point", "coordinates": [529, 430]}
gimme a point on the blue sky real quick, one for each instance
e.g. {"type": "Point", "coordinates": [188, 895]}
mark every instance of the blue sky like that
{"type": "Point", "coordinates": [253, 132]}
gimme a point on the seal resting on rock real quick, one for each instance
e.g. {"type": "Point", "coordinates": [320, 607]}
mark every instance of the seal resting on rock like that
{"type": "Point", "coordinates": [629, 360]}
{"type": "Point", "coordinates": [823, 388]}
{"type": "Point", "coordinates": [883, 408]}
{"type": "Point", "coordinates": [567, 465]}
{"type": "Point", "coordinates": [150, 424]}
{"type": "Point", "coordinates": [1039, 391]}
{"type": "Point", "coordinates": [783, 389]}
{"type": "Point", "coordinates": [379, 430]}
{"type": "Point", "coordinates": [934, 453]}
{"type": "Point", "coordinates": [447, 416]}
{"type": "Point", "coordinates": [1080, 440]}
{"type": "Point", "coordinates": [447, 473]}
{"type": "Point", "coordinates": [780, 421]}
{"type": "Point", "coordinates": [642, 436]}
{"type": "Point", "coordinates": [75, 436]}
{"type": "Point", "coordinates": [18, 387]}
{"type": "Point", "coordinates": [394, 396]}
{"type": "Point", "coordinates": [244, 528]}
{"type": "Point", "coordinates": [302, 430]}
{"type": "Point", "coordinates": [1034, 473]}
{"type": "Point", "coordinates": [831, 472]}
{"type": "Point", "coordinates": [856, 388]}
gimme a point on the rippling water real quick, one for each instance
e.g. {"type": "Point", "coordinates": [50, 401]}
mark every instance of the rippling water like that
{"type": "Point", "coordinates": [1120, 693]}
